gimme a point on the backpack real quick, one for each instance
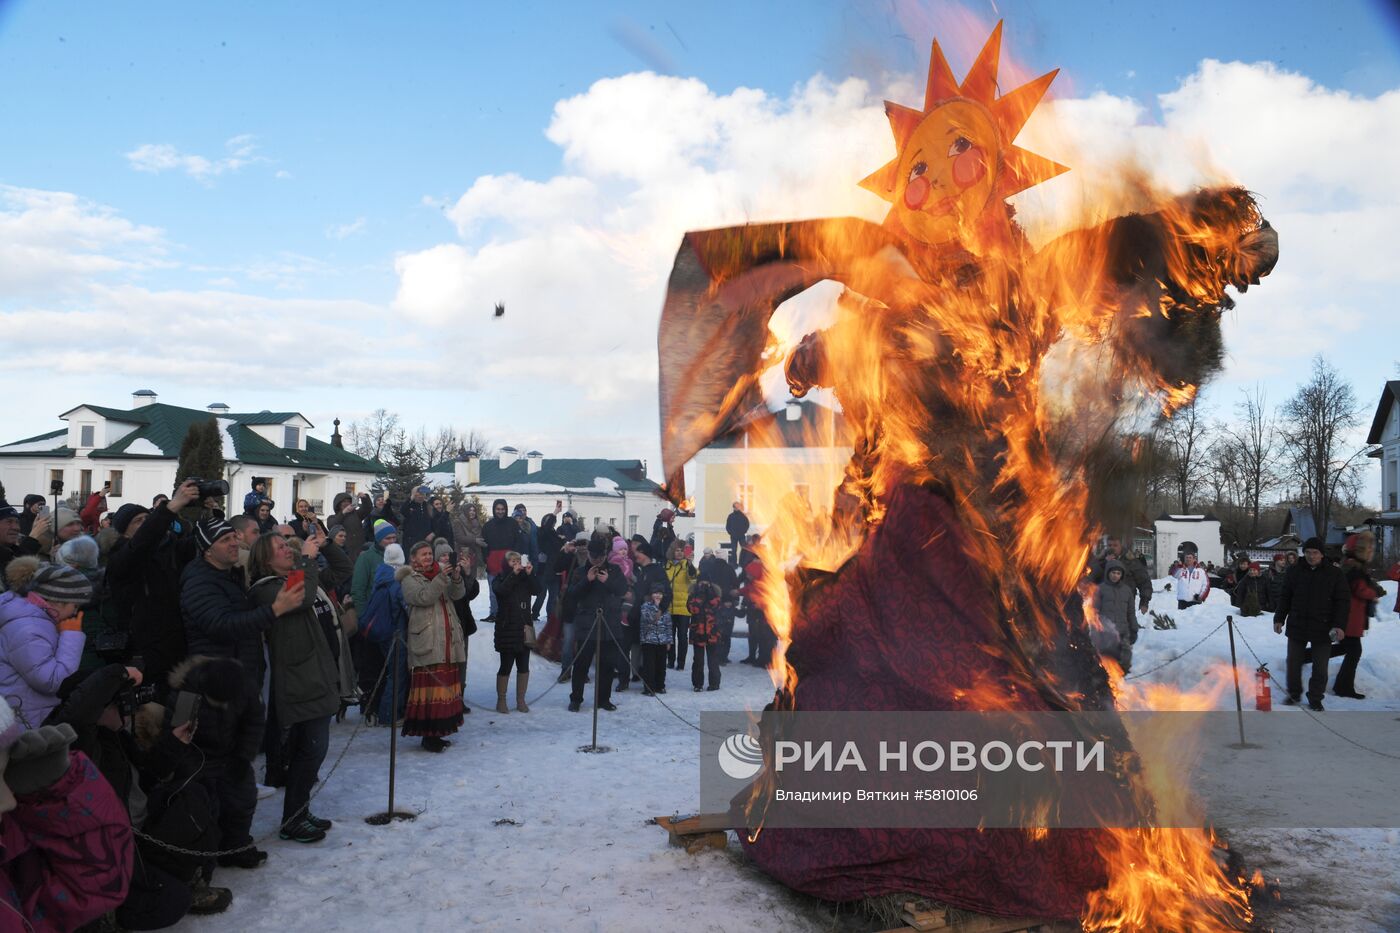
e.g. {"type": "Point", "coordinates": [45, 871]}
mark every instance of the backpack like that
{"type": "Point", "coordinates": [377, 618]}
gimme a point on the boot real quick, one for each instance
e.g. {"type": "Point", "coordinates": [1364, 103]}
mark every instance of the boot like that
{"type": "Point", "coordinates": [501, 684]}
{"type": "Point", "coordinates": [521, 682]}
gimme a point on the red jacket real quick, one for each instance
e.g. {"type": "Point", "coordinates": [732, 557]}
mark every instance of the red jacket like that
{"type": "Point", "coordinates": [65, 853]}
{"type": "Point", "coordinates": [1394, 574]}
{"type": "Point", "coordinates": [91, 515]}
{"type": "Point", "coordinates": [1364, 592]}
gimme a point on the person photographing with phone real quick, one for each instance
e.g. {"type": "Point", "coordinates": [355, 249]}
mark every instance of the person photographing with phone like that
{"type": "Point", "coordinates": [436, 646]}
{"type": "Point", "coordinates": [305, 677]}
{"type": "Point", "coordinates": [514, 589]}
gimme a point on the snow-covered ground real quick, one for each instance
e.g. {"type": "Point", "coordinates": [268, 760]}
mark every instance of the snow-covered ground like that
{"type": "Point", "coordinates": [578, 854]}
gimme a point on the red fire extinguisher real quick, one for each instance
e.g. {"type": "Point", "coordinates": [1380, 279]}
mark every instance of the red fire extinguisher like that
{"type": "Point", "coordinates": [1263, 693]}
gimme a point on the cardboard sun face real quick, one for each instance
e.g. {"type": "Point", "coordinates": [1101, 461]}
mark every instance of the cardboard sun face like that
{"type": "Point", "coordinates": [947, 172]}
{"type": "Point", "coordinates": [956, 155]}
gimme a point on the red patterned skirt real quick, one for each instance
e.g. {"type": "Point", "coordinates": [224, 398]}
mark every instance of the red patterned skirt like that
{"type": "Point", "coordinates": [434, 701]}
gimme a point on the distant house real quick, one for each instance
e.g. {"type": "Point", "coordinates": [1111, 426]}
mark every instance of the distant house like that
{"type": "Point", "coordinates": [798, 450]}
{"type": "Point", "coordinates": [602, 493]}
{"type": "Point", "coordinates": [1385, 431]}
{"type": "Point", "coordinates": [1174, 535]}
{"type": "Point", "coordinates": [137, 450]}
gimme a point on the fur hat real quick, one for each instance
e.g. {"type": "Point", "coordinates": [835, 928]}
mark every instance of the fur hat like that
{"type": "Point", "coordinates": [81, 552]}
{"type": "Point", "coordinates": [393, 555]}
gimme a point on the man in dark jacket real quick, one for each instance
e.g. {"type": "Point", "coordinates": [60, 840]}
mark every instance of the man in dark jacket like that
{"type": "Point", "coordinates": [597, 587]}
{"type": "Point", "coordinates": [13, 543]}
{"type": "Point", "coordinates": [417, 524]}
{"type": "Point", "coordinates": [502, 535]}
{"type": "Point", "coordinates": [1312, 610]}
{"type": "Point", "coordinates": [1134, 570]}
{"type": "Point", "coordinates": [143, 577]}
{"type": "Point", "coordinates": [347, 513]}
{"type": "Point", "coordinates": [736, 526]}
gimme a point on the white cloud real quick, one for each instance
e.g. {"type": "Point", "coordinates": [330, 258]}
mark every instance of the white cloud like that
{"type": "Point", "coordinates": [156, 158]}
{"type": "Point", "coordinates": [344, 231]}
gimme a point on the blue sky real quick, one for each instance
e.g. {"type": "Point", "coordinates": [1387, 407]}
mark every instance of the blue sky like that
{"type": "Point", "coordinates": [292, 155]}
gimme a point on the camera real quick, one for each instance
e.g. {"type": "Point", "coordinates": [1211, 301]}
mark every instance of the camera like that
{"type": "Point", "coordinates": [131, 698]}
{"type": "Point", "coordinates": [209, 487]}
{"type": "Point", "coordinates": [56, 487]}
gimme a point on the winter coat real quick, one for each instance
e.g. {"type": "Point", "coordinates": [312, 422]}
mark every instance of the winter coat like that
{"type": "Point", "coordinates": [251, 500]}
{"type": "Point", "coordinates": [549, 539]}
{"type": "Point", "coordinates": [143, 577]}
{"type": "Point", "coordinates": [434, 632]}
{"type": "Point", "coordinates": [529, 539]}
{"type": "Point", "coordinates": [440, 523]}
{"type": "Point", "coordinates": [386, 596]}
{"type": "Point", "coordinates": [1364, 594]}
{"type": "Point", "coordinates": [501, 535]}
{"type": "Point", "coordinates": [1193, 584]}
{"type": "Point", "coordinates": [645, 579]}
{"type": "Point", "coordinates": [417, 524]}
{"type": "Point", "coordinates": [718, 571]}
{"type": "Point", "coordinates": [1115, 604]}
{"type": "Point", "coordinates": [514, 593]}
{"type": "Point", "coordinates": [681, 575]}
{"type": "Point", "coordinates": [1314, 601]}
{"type": "Point", "coordinates": [737, 524]}
{"type": "Point", "coordinates": [1134, 573]}
{"type": "Point", "coordinates": [362, 580]}
{"type": "Point", "coordinates": [466, 528]}
{"type": "Point", "coordinates": [91, 512]}
{"type": "Point", "coordinates": [588, 596]}
{"type": "Point", "coordinates": [304, 528]}
{"type": "Point", "coordinates": [35, 658]}
{"type": "Point", "coordinates": [1274, 588]}
{"type": "Point", "coordinates": [340, 569]}
{"type": "Point", "coordinates": [1250, 595]}
{"type": "Point", "coordinates": [621, 557]}
{"type": "Point", "coordinates": [65, 853]}
{"type": "Point", "coordinates": [663, 536]}
{"type": "Point", "coordinates": [305, 677]}
{"type": "Point", "coordinates": [704, 616]}
{"type": "Point", "coordinates": [655, 624]}
{"type": "Point", "coordinates": [221, 622]}
{"type": "Point", "coordinates": [353, 522]}
{"type": "Point", "coordinates": [228, 732]}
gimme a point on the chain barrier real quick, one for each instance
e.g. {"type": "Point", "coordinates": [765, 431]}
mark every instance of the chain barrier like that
{"type": "Point", "coordinates": [1176, 658]}
{"type": "Point", "coordinates": [1345, 738]}
{"type": "Point", "coordinates": [656, 696]}
{"type": "Point", "coordinates": [202, 854]}
{"type": "Point", "coordinates": [531, 701]}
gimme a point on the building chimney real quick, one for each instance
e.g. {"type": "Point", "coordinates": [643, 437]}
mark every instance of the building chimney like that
{"type": "Point", "coordinates": [336, 439]}
{"type": "Point", "coordinates": [467, 469]}
{"type": "Point", "coordinates": [534, 461]}
{"type": "Point", "coordinates": [508, 456]}
{"type": "Point", "coordinates": [217, 408]}
{"type": "Point", "coordinates": [142, 397]}
{"type": "Point", "coordinates": [793, 410]}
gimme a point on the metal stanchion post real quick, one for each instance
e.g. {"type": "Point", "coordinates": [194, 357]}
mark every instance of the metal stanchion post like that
{"type": "Point", "coordinates": [389, 815]}
{"type": "Point", "coordinates": [597, 672]}
{"type": "Point", "coordinates": [1239, 703]}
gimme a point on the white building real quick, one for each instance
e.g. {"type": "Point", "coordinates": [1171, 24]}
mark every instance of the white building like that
{"type": "Point", "coordinates": [1385, 431]}
{"type": "Point", "coordinates": [602, 493]}
{"type": "Point", "coordinates": [797, 450]}
{"type": "Point", "coordinates": [1175, 534]}
{"type": "Point", "coordinates": [137, 451]}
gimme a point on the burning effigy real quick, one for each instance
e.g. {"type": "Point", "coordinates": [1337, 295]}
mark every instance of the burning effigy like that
{"type": "Point", "coordinates": [986, 386]}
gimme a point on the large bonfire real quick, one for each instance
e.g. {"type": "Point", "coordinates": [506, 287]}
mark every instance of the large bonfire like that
{"type": "Point", "coordinates": [986, 386]}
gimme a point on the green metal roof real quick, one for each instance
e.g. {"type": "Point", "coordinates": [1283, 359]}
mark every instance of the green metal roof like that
{"type": "Point", "coordinates": [578, 473]}
{"type": "Point", "coordinates": [165, 427]}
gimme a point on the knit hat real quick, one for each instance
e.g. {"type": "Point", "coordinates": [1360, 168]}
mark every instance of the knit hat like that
{"type": "Point", "coordinates": [7, 510]}
{"type": "Point", "coordinates": [1313, 544]}
{"type": "Point", "coordinates": [597, 547]}
{"type": "Point", "coordinates": [81, 552]}
{"type": "Point", "coordinates": [66, 517]}
{"type": "Point", "coordinates": [441, 550]}
{"type": "Point", "coordinates": [209, 530]}
{"type": "Point", "coordinates": [382, 530]}
{"type": "Point", "coordinates": [122, 520]}
{"type": "Point", "coordinates": [9, 726]}
{"type": "Point", "coordinates": [582, 536]}
{"type": "Point", "coordinates": [645, 548]}
{"type": "Point", "coordinates": [61, 585]}
{"type": "Point", "coordinates": [393, 555]}
{"type": "Point", "coordinates": [1254, 565]}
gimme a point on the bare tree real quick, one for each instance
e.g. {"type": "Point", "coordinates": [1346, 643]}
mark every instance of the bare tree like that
{"type": "Point", "coordinates": [1253, 448]}
{"type": "Point", "coordinates": [372, 436]}
{"type": "Point", "coordinates": [1182, 441]}
{"type": "Point", "coordinates": [1316, 420]}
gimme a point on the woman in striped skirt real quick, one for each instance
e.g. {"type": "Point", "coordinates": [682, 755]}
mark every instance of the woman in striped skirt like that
{"type": "Point", "coordinates": [436, 650]}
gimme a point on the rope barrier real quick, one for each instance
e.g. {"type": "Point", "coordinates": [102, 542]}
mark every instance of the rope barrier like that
{"type": "Point", "coordinates": [531, 701]}
{"type": "Point", "coordinates": [1346, 738]}
{"type": "Point", "coordinates": [1178, 657]}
